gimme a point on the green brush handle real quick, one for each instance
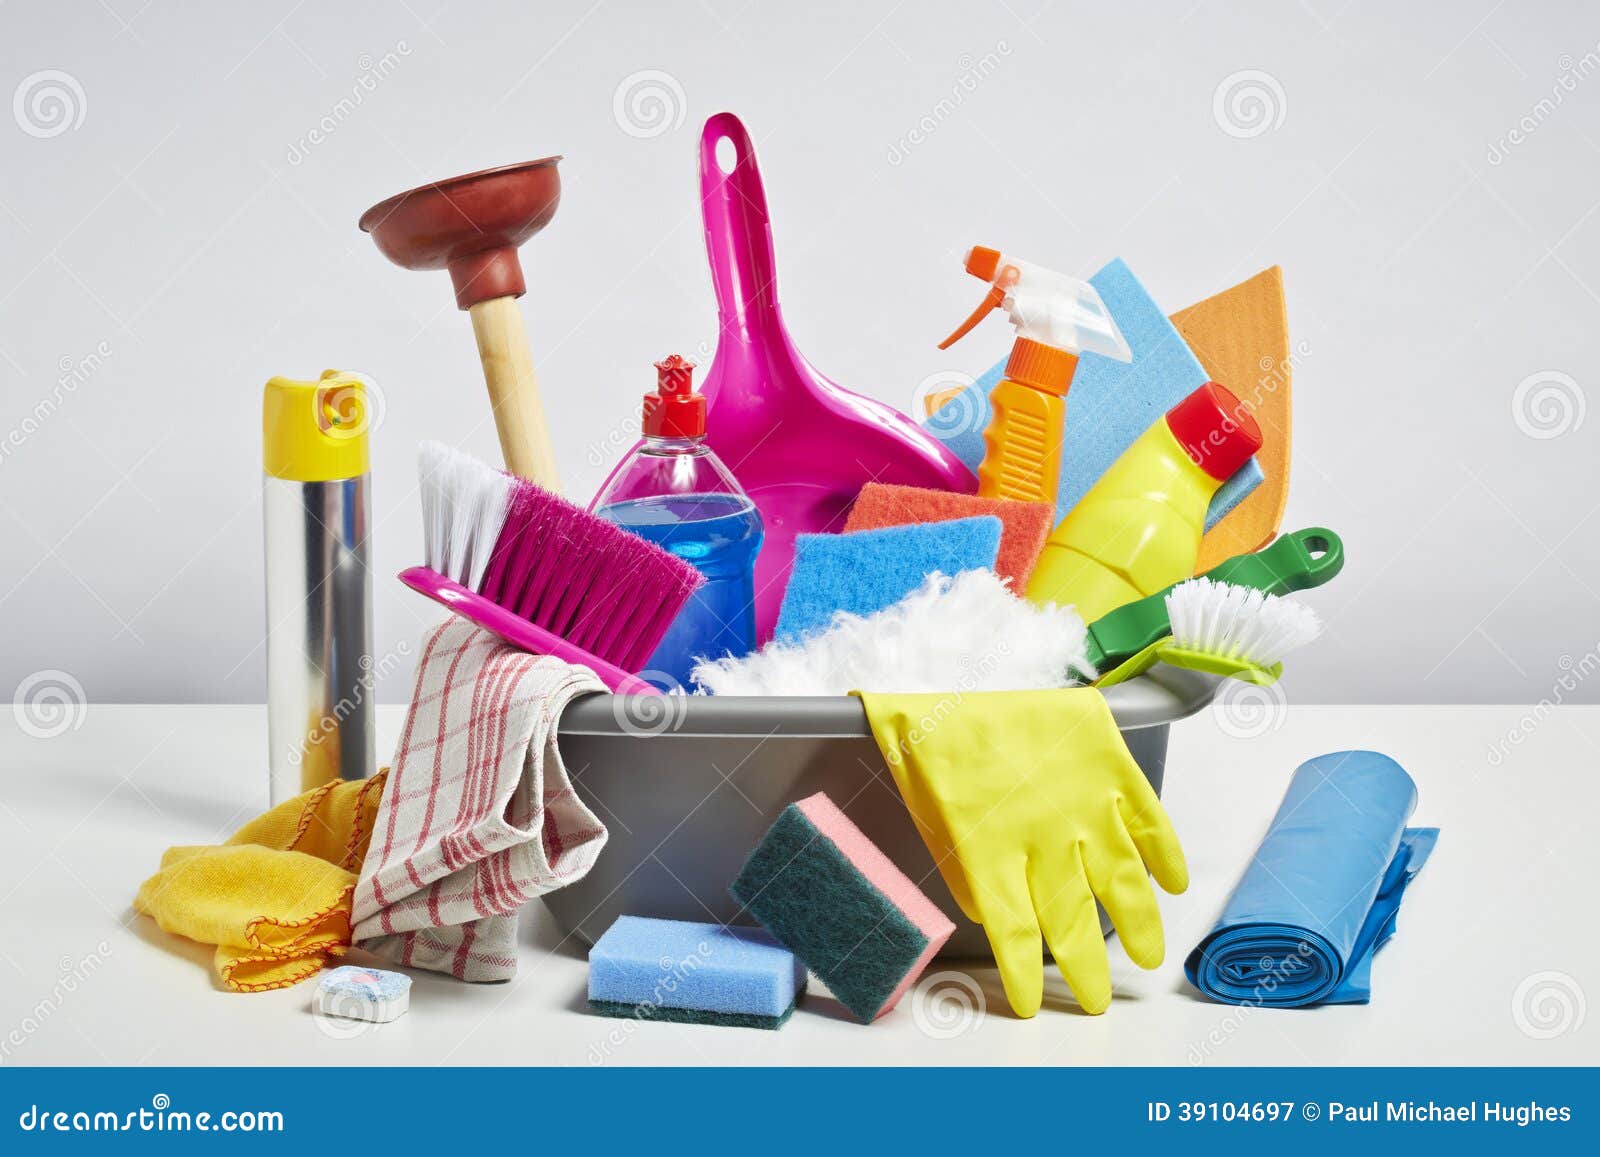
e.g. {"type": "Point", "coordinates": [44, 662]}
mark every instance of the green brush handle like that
{"type": "Point", "coordinates": [1297, 561]}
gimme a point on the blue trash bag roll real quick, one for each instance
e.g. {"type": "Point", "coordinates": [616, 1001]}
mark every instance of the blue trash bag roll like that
{"type": "Point", "coordinates": [1323, 890]}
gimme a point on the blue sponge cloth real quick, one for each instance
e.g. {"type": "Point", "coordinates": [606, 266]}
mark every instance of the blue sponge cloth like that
{"type": "Point", "coordinates": [867, 570]}
{"type": "Point", "coordinates": [653, 968]}
{"type": "Point", "coordinates": [1110, 404]}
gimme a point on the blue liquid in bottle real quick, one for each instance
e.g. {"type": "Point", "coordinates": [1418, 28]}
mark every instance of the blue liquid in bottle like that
{"type": "Point", "coordinates": [719, 534]}
{"type": "Point", "coordinates": [675, 492]}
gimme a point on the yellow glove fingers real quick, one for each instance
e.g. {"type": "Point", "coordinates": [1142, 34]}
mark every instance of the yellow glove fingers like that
{"type": "Point", "coordinates": [1006, 910]}
{"type": "Point", "coordinates": [1071, 924]}
{"type": "Point", "coordinates": [1152, 833]}
{"type": "Point", "coordinates": [1118, 878]}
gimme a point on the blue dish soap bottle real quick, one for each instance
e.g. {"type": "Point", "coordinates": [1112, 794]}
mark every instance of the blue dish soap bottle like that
{"type": "Point", "coordinates": [674, 491]}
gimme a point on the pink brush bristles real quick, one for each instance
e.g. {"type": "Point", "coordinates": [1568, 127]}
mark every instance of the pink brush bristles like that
{"type": "Point", "coordinates": [599, 590]}
{"type": "Point", "coordinates": [585, 579]}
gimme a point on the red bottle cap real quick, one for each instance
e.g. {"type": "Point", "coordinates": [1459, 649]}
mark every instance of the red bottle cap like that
{"type": "Point", "coordinates": [1215, 430]}
{"type": "Point", "coordinates": [673, 409]}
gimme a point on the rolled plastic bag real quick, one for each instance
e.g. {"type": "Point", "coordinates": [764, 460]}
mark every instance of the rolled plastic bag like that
{"type": "Point", "coordinates": [1322, 892]}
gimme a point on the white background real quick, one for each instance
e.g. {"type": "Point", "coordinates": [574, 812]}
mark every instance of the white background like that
{"type": "Point", "coordinates": [185, 240]}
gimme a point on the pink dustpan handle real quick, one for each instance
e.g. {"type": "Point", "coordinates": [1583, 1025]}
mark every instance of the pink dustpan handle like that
{"type": "Point", "coordinates": [738, 231]}
{"type": "Point", "coordinates": [517, 631]}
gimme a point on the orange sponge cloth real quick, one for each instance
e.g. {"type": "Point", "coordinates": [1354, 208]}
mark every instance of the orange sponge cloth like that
{"type": "Point", "coordinates": [1023, 525]}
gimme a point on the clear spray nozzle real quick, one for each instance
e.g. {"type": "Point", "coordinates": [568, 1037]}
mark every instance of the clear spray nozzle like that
{"type": "Point", "coordinates": [1045, 306]}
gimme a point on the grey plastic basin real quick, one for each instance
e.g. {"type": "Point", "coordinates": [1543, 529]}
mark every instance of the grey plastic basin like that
{"type": "Point", "coordinates": [688, 786]}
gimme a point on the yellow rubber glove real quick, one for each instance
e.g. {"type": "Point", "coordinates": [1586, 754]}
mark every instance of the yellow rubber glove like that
{"type": "Point", "coordinates": [1033, 807]}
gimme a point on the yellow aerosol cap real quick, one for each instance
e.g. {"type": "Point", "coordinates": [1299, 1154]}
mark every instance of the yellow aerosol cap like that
{"type": "Point", "coordinates": [316, 431]}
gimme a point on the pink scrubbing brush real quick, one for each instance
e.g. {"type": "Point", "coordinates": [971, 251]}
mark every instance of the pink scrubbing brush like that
{"type": "Point", "coordinates": [541, 573]}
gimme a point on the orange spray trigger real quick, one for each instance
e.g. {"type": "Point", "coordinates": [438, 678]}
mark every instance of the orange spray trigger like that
{"type": "Point", "coordinates": [991, 300]}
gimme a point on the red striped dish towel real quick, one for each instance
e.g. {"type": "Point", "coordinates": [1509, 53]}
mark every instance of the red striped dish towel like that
{"type": "Point", "coordinates": [478, 816]}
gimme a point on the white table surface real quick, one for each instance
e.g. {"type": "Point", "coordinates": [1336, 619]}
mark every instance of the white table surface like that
{"type": "Point", "coordinates": [1510, 894]}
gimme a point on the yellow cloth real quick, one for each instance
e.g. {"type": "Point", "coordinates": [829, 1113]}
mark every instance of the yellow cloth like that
{"type": "Point", "coordinates": [1032, 808]}
{"type": "Point", "coordinates": [1241, 337]}
{"type": "Point", "coordinates": [275, 899]}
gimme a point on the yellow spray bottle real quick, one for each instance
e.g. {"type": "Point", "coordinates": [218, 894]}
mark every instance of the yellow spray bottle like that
{"type": "Point", "coordinates": [1138, 529]}
{"type": "Point", "coordinates": [1057, 318]}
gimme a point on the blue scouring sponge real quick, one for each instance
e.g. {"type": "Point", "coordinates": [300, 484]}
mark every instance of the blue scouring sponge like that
{"type": "Point", "coordinates": [1110, 404]}
{"type": "Point", "coordinates": [867, 570]}
{"type": "Point", "coordinates": [696, 973]}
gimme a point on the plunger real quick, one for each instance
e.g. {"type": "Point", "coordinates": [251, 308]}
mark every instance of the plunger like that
{"type": "Point", "coordinates": [472, 226]}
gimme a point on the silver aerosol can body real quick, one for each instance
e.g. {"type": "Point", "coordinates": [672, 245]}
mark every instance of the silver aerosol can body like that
{"type": "Point", "coordinates": [317, 512]}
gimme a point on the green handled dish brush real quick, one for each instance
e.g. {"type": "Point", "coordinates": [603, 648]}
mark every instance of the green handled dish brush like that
{"type": "Point", "coordinates": [1295, 562]}
{"type": "Point", "coordinates": [1223, 629]}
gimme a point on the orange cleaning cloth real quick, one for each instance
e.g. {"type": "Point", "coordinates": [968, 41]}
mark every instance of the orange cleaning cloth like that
{"type": "Point", "coordinates": [1241, 337]}
{"type": "Point", "coordinates": [275, 899]}
{"type": "Point", "coordinates": [1023, 525]}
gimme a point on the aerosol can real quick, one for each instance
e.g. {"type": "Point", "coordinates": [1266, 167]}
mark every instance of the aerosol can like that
{"type": "Point", "coordinates": [317, 514]}
{"type": "Point", "coordinates": [1056, 318]}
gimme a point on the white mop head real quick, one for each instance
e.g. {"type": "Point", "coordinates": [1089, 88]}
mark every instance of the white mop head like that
{"type": "Point", "coordinates": [969, 633]}
{"type": "Point", "coordinates": [1234, 622]}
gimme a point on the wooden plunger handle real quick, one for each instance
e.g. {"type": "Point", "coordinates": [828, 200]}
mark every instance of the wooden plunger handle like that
{"type": "Point", "coordinates": [514, 391]}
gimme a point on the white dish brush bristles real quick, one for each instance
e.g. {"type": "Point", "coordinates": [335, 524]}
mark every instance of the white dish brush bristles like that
{"type": "Point", "coordinates": [1238, 623]}
{"type": "Point", "coordinates": [464, 508]}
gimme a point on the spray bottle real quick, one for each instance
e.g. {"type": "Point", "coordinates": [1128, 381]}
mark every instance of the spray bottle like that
{"type": "Point", "coordinates": [1138, 529]}
{"type": "Point", "coordinates": [318, 516]}
{"type": "Point", "coordinates": [1057, 318]}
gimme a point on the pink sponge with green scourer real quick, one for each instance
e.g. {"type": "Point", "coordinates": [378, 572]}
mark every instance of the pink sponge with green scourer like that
{"type": "Point", "coordinates": [819, 885]}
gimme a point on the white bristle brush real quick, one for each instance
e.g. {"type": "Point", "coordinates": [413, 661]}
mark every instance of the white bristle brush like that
{"type": "Point", "coordinates": [1225, 629]}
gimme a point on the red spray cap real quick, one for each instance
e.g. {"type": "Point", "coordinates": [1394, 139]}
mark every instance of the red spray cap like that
{"type": "Point", "coordinates": [1215, 430]}
{"type": "Point", "coordinates": [673, 409]}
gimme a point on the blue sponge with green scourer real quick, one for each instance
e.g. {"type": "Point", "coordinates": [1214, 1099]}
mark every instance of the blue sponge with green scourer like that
{"type": "Point", "coordinates": [867, 570]}
{"type": "Point", "coordinates": [674, 970]}
{"type": "Point", "coordinates": [1110, 404]}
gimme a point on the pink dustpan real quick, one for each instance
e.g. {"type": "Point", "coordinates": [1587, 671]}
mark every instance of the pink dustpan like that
{"type": "Point", "coordinates": [801, 445]}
